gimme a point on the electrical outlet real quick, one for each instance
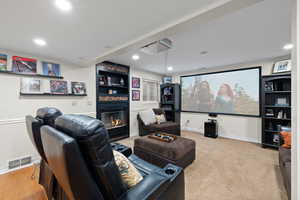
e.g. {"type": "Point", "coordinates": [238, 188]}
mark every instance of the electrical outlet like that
{"type": "Point", "coordinates": [14, 164]}
{"type": "Point", "coordinates": [26, 160]}
{"type": "Point", "coordinates": [89, 103]}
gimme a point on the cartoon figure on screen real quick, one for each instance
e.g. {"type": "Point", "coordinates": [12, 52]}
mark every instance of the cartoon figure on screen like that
{"type": "Point", "coordinates": [224, 100]}
{"type": "Point", "coordinates": [203, 96]}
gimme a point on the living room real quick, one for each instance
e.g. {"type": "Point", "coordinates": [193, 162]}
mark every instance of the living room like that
{"type": "Point", "coordinates": [141, 90]}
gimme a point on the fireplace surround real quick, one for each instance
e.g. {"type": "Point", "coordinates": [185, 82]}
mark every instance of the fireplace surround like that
{"type": "Point", "coordinates": [112, 96]}
{"type": "Point", "coordinates": [114, 119]}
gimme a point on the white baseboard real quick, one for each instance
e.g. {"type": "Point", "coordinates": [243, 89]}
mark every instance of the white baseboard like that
{"type": "Point", "coordinates": [233, 137]}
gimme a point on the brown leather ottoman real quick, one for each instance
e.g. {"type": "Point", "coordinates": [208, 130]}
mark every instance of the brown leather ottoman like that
{"type": "Point", "coordinates": [180, 152]}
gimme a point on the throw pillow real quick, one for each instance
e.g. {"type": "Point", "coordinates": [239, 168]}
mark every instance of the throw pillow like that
{"type": "Point", "coordinates": [287, 138]}
{"type": "Point", "coordinates": [130, 175]}
{"type": "Point", "coordinates": [148, 117]}
{"type": "Point", "coordinates": [160, 118]}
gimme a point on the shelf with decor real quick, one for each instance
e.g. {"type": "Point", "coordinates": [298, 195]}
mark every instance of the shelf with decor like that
{"type": "Point", "coordinates": [50, 94]}
{"type": "Point", "coordinates": [276, 108]}
{"type": "Point", "coordinates": [30, 75]}
{"type": "Point", "coordinates": [170, 101]}
{"type": "Point", "coordinates": [112, 83]}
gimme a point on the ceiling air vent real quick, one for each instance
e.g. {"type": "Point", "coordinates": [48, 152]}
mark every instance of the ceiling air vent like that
{"type": "Point", "coordinates": [157, 47]}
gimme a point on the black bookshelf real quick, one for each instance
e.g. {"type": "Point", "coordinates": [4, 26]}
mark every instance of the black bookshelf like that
{"type": "Point", "coordinates": [276, 108]}
{"type": "Point", "coordinates": [170, 101]}
{"type": "Point", "coordinates": [112, 97]}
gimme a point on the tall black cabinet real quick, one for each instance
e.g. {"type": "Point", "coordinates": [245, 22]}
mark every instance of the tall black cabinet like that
{"type": "Point", "coordinates": [276, 108]}
{"type": "Point", "coordinates": [112, 97]}
{"type": "Point", "coordinates": [170, 101]}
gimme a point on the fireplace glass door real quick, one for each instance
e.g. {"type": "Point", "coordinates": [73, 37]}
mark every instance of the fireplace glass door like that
{"type": "Point", "coordinates": [115, 119]}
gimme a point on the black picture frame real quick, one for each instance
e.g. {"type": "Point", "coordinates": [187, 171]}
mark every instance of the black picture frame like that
{"type": "Point", "coordinates": [136, 82]}
{"type": "Point", "coordinates": [134, 93]}
{"type": "Point", "coordinates": [224, 71]}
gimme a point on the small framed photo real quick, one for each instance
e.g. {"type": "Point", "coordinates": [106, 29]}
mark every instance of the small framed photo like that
{"type": "Point", "coordinates": [3, 62]}
{"type": "Point", "coordinates": [24, 65]}
{"type": "Point", "coordinates": [58, 87]}
{"type": "Point", "coordinates": [30, 86]}
{"type": "Point", "coordinates": [136, 95]}
{"type": "Point", "coordinates": [51, 69]}
{"type": "Point", "coordinates": [167, 79]}
{"type": "Point", "coordinates": [282, 66]}
{"type": "Point", "coordinates": [136, 82]}
{"type": "Point", "coordinates": [78, 88]}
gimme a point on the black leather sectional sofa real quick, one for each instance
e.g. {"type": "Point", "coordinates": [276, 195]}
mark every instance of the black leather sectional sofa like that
{"type": "Point", "coordinates": [76, 151]}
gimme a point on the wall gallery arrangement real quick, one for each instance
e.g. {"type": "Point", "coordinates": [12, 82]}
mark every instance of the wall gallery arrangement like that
{"type": "Point", "coordinates": [57, 87]}
{"type": "Point", "coordinates": [28, 66]}
{"type": "Point", "coordinates": [136, 94]}
{"type": "Point", "coordinates": [32, 86]}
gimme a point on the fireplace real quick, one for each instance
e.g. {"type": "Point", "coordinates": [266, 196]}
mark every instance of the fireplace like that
{"type": "Point", "coordinates": [114, 119]}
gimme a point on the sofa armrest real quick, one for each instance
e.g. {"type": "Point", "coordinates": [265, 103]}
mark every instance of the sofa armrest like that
{"type": "Point", "coordinates": [166, 183]}
{"type": "Point", "coordinates": [150, 187]}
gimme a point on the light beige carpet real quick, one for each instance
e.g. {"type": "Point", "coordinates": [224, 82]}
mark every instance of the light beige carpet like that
{"type": "Point", "coordinates": [227, 169]}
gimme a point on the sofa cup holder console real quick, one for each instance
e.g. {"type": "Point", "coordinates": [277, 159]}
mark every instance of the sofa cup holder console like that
{"type": "Point", "coordinates": [171, 171]}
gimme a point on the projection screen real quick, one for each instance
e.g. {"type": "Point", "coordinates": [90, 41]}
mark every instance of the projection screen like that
{"type": "Point", "coordinates": [235, 92]}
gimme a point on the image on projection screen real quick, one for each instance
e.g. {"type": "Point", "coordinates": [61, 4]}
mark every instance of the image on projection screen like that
{"type": "Point", "coordinates": [232, 92]}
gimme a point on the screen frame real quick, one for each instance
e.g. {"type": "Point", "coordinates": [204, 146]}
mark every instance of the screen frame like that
{"type": "Point", "coordinates": [225, 71]}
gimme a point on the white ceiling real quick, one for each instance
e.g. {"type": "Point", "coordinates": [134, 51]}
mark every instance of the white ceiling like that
{"type": "Point", "coordinates": [86, 31]}
{"type": "Point", "coordinates": [250, 34]}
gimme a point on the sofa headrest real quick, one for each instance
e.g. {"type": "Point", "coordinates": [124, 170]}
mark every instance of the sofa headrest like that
{"type": "Point", "coordinates": [48, 115]}
{"type": "Point", "coordinates": [79, 126]}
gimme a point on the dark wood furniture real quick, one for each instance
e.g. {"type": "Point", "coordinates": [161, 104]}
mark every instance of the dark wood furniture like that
{"type": "Point", "coordinates": [180, 152]}
{"type": "Point", "coordinates": [112, 97]}
{"type": "Point", "coordinates": [170, 101]}
{"type": "Point", "coordinates": [276, 108]}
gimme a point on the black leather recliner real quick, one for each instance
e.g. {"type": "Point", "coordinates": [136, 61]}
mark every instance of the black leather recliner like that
{"type": "Point", "coordinates": [80, 156]}
{"type": "Point", "coordinates": [44, 116]}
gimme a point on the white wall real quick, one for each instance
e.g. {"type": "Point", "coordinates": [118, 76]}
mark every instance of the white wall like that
{"type": "Point", "coordinates": [14, 141]}
{"type": "Point", "coordinates": [137, 106]}
{"type": "Point", "coordinates": [235, 127]}
{"type": "Point", "coordinates": [296, 101]}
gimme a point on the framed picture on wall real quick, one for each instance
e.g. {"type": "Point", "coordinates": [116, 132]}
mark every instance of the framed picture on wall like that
{"type": "Point", "coordinates": [30, 85]}
{"type": "Point", "coordinates": [136, 95]}
{"type": "Point", "coordinates": [3, 62]}
{"type": "Point", "coordinates": [136, 82]}
{"type": "Point", "coordinates": [51, 69]}
{"type": "Point", "coordinates": [58, 87]}
{"type": "Point", "coordinates": [282, 66]}
{"type": "Point", "coordinates": [24, 65]}
{"type": "Point", "coordinates": [78, 88]}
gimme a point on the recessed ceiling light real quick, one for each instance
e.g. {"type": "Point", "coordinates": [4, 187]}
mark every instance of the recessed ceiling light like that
{"type": "Point", "coordinates": [63, 5]}
{"type": "Point", "coordinates": [170, 68]}
{"type": "Point", "coordinates": [40, 42]}
{"type": "Point", "coordinates": [288, 47]}
{"type": "Point", "coordinates": [135, 57]}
